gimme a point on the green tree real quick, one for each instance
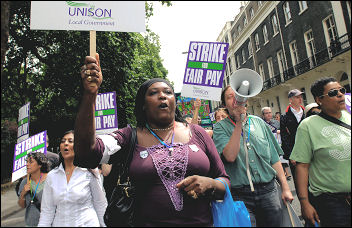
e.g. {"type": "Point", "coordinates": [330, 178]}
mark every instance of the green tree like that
{"type": "Point", "coordinates": [43, 67]}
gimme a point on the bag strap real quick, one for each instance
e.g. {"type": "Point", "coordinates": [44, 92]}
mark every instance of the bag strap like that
{"type": "Point", "coordinates": [334, 120]}
{"type": "Point", "coordinates": [131, 147]}
{"type": "Point", "coordinates": [223, 182]}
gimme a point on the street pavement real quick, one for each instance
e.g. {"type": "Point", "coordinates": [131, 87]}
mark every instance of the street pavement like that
{"type": "Point", "coordinates": [13, 216]}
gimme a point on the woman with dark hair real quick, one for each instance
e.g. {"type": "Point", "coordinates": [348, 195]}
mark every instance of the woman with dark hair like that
{"type": "Point", "coordinates": [323, 150]}
{"type": "Point", "coordinates": [72, 196]}
{"type": "Point", "coordinates": [30, 194]}
{"type": "Point", "coordinates": [174, 164]}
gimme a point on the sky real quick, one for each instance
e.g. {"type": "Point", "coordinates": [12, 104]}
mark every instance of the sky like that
{"type": "Point", "coordinates": [187, 21]}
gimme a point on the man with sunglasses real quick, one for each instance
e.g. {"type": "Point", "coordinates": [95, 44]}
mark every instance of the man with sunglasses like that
{"type": "Point", "coordinates": [323, 154]}
{"type": "Point", "coordinates": [289, 123]}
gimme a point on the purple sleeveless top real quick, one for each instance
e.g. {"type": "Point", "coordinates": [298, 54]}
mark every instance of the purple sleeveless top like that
{"type": "Point", "coordinates": [155, 174]}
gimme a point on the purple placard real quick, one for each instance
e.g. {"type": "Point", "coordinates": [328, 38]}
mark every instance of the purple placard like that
{"type": "Point", "coordinates": [205, 69]}
{"type": "Point", "coordinates": [206, 63]}
{"type": "Point", "coordinates": [33, 144]}
{"type": "Point", "coordinates": [348, 102]}
{"type": "Point", "coordinates": [23, 122]}
{"type": "Point", "coordinates": [106, 111]}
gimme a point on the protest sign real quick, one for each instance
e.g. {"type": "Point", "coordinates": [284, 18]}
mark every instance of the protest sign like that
{"type": "Point", "coordinates": [23, 123]}
{"type": "Point", "coordinates": [186, 106]}
{"type": "Point", "coordinates": [348, 102]}
{"type": "Point", "coordinates": [33, 144]}
{"type": "Point", "coordinates": [205, 68]}
{"type": "Point", "coordinates": [106, 113]}
{"type": "Point", "coordinates": [122, 16]}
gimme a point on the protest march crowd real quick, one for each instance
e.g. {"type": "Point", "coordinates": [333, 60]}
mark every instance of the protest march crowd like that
{"type": "Point", "coordinates": [169, 171]}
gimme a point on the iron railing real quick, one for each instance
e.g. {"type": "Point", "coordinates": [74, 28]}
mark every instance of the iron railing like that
{"type": "Point", "coordinates": [337, 47]}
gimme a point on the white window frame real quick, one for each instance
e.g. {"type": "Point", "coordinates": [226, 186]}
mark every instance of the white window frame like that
{"type": "Point", "coordinates": [303, 6]}
{"type": "Point", "coordinates": [281, 61]}
{"type": "Point", "coordinates": [329, 31]}
{"type": "Point", "coordinates": [238, 63]}
{"type": "Point", "coordinates": [275, 24]}
{"type": "Point", "coordinates": [244, 21]}
{"type": "Point", "coordinates": [287, 13]}
{"type": "Point", "coordinates": [265, 34]}
{"type": "Point", "coordinates": [261, 71]}
{"type": "Point", "coordinates": [250, 49]}
{"type": "Point", "coordinates": [251, 13]}
{"type": "Point", "coordinates": [270, 67]}
{"type": "Point", "coordinates": [257, 42]}
{"type": "Point", "coordinates": [294, 53]}
{"type": "Point", "coordinates": [243, 56]}
{"type": "Point", "coordinates": [310, 47]}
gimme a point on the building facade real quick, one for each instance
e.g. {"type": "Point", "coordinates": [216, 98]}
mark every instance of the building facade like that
{"type": "Point", "coordinates": [290, 44]}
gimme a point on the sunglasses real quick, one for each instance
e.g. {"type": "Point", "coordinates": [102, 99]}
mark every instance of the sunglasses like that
{"type": "Point", "coordinates": [334, 92]}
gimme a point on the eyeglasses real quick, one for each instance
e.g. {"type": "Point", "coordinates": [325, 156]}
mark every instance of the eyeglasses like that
{"type": "Point", "coordinates": [334, 92]}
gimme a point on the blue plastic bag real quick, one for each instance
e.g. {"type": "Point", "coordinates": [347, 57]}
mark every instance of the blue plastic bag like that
{"type": "Point", "coordinates": [229, 213]}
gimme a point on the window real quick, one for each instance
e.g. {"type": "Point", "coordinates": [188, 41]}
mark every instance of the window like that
{"type": "Point", "coordinates": [244, 21]}
{"type": "Point", "coordinates": [237, 61]}
{"type": "Point", "coordinates": [251, 13]}
{"type": "Point", "coordinates": [230, 65]}
{"type": "Point", "coordinates": [275, 24]}
{"type": "Point", "coordinates": [310, 43]}
{"type": "Point", "coordinates": [270, 67]}
{"type": "Point", "coordinates": [265, 35]}
{"type": "Point", "coordinates": [243, 56]}
{"type": "Point", "coordinates": [287, 12]}
{"type": "Point", "coordinates": [330, 29]}
{"type": "Point", "coordinates": [239, 29]}
{"type": "Point", "coordinates": [310, 46]}
{"type": "Point", "coordinates": [281, 61]}
{"type": "Point", "coordinates": [302, 6]}
{"type": "Point", "coordinates": [257, 44]}
{"type": "Point", "coordinates": [294, 53]}
{"type": "Point", "coordinates": [261, 71]}
{"type": "Point", "coordinates": [250, 49]}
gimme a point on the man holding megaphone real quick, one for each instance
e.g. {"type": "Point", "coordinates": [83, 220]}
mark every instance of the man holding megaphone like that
{"type": "Point", "coordinates": [250, 152]}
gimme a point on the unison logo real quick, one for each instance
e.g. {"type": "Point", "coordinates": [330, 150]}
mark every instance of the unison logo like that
{"type": "Point", "coordinates": [84, 9]}
{"type": "Point", "coordinates": [197, 90]}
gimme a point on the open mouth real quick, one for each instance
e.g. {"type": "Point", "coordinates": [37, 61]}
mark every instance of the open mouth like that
{"type": "Point", "coordinates": [163, 106]}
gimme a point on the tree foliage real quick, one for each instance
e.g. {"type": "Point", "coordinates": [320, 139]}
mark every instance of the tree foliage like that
{"type": "Point", "coordinates": [43, 67]}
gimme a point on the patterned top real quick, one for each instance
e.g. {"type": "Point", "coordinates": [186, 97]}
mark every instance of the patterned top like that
{"type": "Point", "coordinates": [155, 173]}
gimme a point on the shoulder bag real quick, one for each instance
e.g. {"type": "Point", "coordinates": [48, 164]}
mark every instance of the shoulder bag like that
{"type": "Point", "coordinates": [120, 209]}
{"type": "Point", "coordinates": [334, 120]}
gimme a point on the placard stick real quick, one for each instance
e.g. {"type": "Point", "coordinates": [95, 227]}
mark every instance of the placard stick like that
{"type": "Point", "coordinates": [290, 214]}
{"type": "Point", "coordinates": [92, 43]}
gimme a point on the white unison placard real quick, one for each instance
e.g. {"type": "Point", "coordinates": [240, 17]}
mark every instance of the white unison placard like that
{"type": "Point", "coordinates": [119, 16]}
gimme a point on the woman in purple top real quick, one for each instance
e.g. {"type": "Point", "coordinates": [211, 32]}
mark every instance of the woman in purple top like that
{"type": "Point", "coordinates": [174, 165]}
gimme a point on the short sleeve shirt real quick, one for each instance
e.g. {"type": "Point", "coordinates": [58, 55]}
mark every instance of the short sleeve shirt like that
{"type": "Point", "coordinates": [32, 209]}
{"type": "Point", "coordinates": [263, 152]}
{"type": "Point", "coordinates": [327, 148]}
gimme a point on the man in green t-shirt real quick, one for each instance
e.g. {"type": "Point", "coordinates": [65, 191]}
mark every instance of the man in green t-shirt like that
{"type": "Point", "coordinates": [253, 176]}
{"type": "Point", "coordinates": [323, 150]}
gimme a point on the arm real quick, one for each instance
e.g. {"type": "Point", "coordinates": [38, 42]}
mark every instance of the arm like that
{"type": "Point", "coordinates": [106, 169]}
{"type": "Point", "coordinates": [48, 207]}
{"type": "Point", "coordinates": [98, 197]}
{"type": "Point", "coordinates": [84, 140]}
{"type": "Point", "coordinates": [24, 188]}
{"type": "Point", "coordinates": [286, 192]}
{"type": "Point", "coordinates": [308, 211]}
{"type": "Point", "coordinates": [232, 148]}
{"type": "Point", "coordinates": [197, 104]}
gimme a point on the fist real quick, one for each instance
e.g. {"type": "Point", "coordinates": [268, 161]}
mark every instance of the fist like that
{"type": "Point", "coordinates": [91, 74]}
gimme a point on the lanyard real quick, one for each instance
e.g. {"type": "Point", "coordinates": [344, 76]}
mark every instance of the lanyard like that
{"type": "Point", "coordinates": [249, 128]}
{"type": "Point", "coordinates": [35, 188]}
{"type": "Point", "coordinates": [162, 142]}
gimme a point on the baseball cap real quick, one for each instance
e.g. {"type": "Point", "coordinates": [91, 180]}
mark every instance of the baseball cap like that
{"type": "Point", "coordinates": [294, 92]}
{"type": "Point", "coordinates": [309, 107]}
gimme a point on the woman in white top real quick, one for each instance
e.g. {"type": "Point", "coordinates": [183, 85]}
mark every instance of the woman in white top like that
{"type": "Point", "coordinates": [72, 196]}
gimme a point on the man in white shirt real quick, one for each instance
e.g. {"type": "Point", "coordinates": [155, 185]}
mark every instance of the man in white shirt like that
{"type": "Point", "coordinates": [289, 123]}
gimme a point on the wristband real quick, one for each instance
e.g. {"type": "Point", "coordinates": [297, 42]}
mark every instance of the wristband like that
{"type": "Point", "coordinates": [302, 198]}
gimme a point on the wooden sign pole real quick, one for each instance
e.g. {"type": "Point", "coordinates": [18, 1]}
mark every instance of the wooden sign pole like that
{"type": "Point", "coordinates": [92, 43]}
